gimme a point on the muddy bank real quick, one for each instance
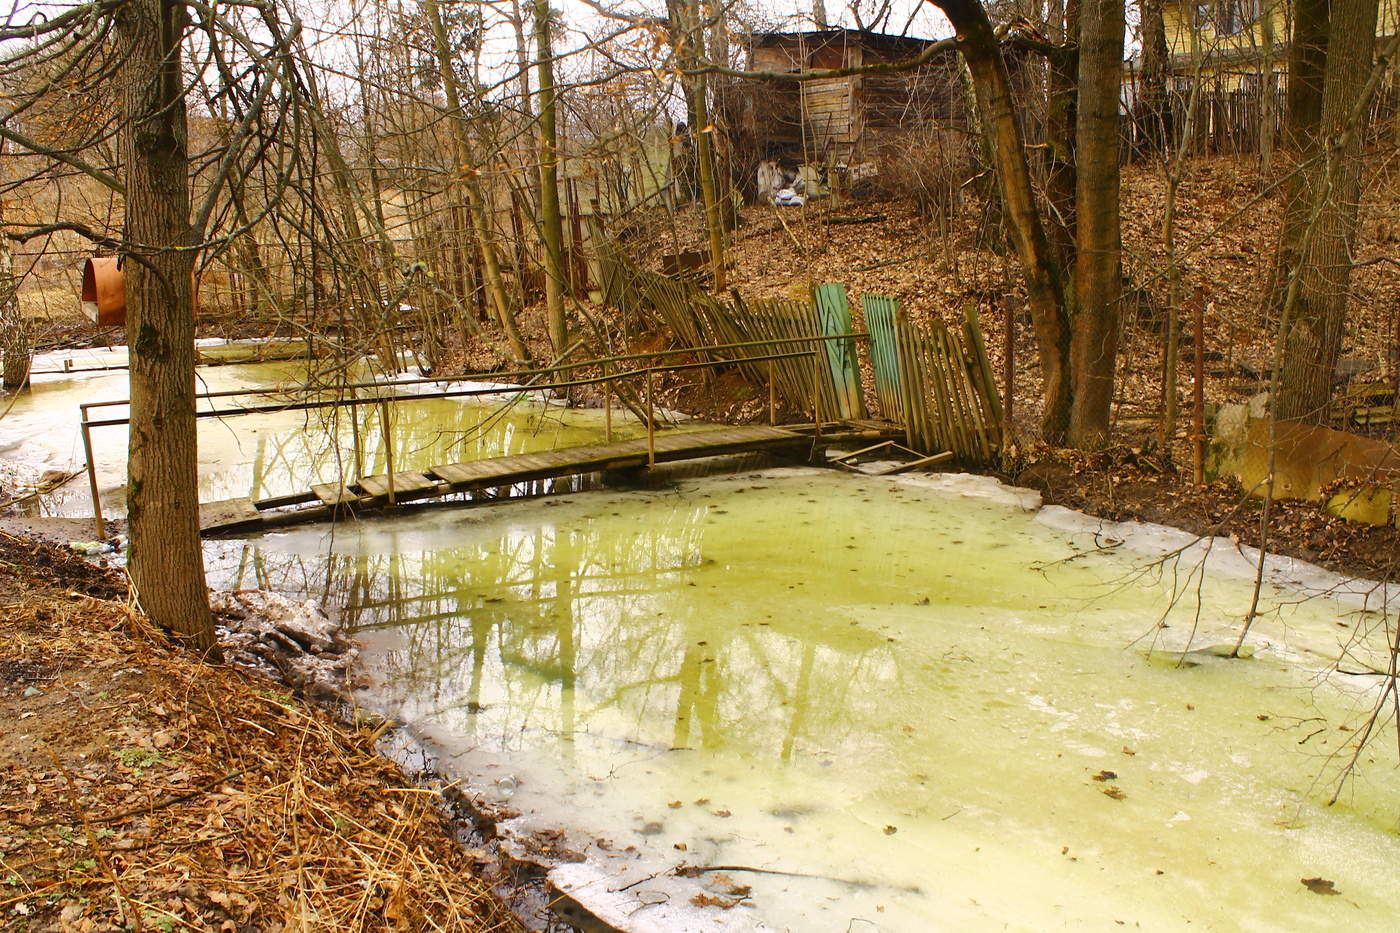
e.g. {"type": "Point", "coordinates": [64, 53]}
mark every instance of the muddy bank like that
{"type": "Point", "coordinates": [1131, 483]}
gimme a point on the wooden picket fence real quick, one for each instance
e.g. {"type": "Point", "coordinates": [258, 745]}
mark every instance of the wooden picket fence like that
{"type": "Point", "coordinates": [934, 380]}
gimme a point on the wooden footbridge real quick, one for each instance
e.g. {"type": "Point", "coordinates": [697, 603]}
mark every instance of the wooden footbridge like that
{"type": "Point", "coordinates": [331, 500]}
{"type": "Point", "coordinates": [934, 389]}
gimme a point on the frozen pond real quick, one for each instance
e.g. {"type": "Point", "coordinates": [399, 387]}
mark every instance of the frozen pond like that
{"type": "Point", "coordinates": [911, 705]}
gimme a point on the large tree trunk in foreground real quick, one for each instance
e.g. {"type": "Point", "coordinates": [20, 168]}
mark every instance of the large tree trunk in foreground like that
{"type": "Point", "coordinates": [15, 348]}
{"type": "Point", "coordinates": [1315, 309]}
{"type": "Point", "coordinates": [1307, 63]}
{"type": "Point", "coordinates": [1098, 275]}
{"type": "Point", "coordinates": [1044, 290]}
{"type": "Point", "coordinates": [166, 560]}
{"type": "Point", "coordinates": [1060, 120]}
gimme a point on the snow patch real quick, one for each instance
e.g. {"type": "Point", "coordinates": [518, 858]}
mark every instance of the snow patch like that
{"type": "Point", "coordinates": [295, 642]}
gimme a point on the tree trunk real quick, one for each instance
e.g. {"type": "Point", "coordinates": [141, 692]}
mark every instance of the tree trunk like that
{"type": "Point", "coordinates": [15, 335]}
{"type": "Point", "coordinates": [14, 338]}
{"type": "Point", "coordinates": [1044, 289]}
{"type": "Point", "coordinates": [551, 223]}
{"type": "Point", "coordinates": [1315, 312]}
{"type": "Point", "coordinates": [1268, 90]}
{"type": "Point", "coordinates": [1155, 67]}
{"type": "Point", "coordinates": [1061, 117]}
{"type": "Point", "coordinates": [1307, 62]}
{"type": "Point", "coordinates": [166, 560]}
{"type": "Point", "coordinates": [1098, 276]}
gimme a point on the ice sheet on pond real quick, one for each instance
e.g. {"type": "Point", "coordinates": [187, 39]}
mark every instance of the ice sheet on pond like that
{"type": "Point", "coordinates": [903, 704]}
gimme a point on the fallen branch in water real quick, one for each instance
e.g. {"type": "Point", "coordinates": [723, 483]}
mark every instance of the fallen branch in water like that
{"type": "Point", "coordinates": [684, 870]}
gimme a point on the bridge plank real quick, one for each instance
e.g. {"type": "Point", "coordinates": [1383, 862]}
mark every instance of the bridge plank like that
{"type": "Point", "coordinates": [406, 483]}
{"type": "Point", "coordinates": [335, 494]}
{"type": "Point", "coordinates": [228, 515]}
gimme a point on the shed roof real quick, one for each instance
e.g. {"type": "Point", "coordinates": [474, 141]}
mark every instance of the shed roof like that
{"type": "Point", "coordinates": [856, 36]}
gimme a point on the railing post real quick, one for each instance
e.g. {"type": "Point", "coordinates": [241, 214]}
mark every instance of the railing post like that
{"type": "Point", "coordinates": [92, 476]}
{"type": "Point", "coordinates": [388, 429]}
{"type": "Point", "coordinates": [817, 392]}
{"type": "Point", "coordinates": [607, 402]}
{"type": "Point", "coordinates": [651, 423]}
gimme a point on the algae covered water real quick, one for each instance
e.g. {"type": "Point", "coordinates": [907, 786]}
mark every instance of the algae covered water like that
{"type": "Point", "coordinates": [797, 700]}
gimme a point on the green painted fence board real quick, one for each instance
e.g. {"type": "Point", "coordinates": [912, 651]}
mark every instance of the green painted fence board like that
{"type": "Point", "coordinates": [834, 317]}
{"type": "Point", "coordinates": [880, 314]}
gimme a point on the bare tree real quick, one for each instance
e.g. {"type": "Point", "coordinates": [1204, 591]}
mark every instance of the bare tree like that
{"type": "Point", "coordinates": [1098, 274]}
{"type": "Point", "coordinates": [686, 29]}
{"type": "Point", "coordinates": [14, 341]}
{"type": "Point", "coordinates": [167, 561]}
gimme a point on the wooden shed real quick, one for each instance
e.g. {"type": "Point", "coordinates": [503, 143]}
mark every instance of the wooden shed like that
{"type": "Point", "coordinates": [841, 119]}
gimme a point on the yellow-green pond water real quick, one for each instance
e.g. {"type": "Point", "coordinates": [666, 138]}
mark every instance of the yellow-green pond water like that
{"type": "Point", "coordinates": [916, 704]}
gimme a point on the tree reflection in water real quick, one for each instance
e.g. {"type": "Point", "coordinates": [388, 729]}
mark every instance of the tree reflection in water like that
{"type": "Point", "coordinates": [619, 630]}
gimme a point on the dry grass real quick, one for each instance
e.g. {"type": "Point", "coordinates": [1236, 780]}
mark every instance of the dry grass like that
{"type": "Point", "coordinates": [142, 789]}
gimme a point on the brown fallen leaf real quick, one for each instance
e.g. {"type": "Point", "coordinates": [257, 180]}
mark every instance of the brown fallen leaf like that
{"type": "Point", "coordinates": [891, 830]}
{"type": "Point", "coordinates": [1320, 886]}
{"type": "Point", "coordinates": [1106, 776]}
{"type": "Point", "coordinates": [1114, 792]}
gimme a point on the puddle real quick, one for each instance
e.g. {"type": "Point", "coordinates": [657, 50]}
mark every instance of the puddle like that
{"type": "Point", "coordinates": [886, 705]}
